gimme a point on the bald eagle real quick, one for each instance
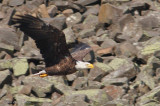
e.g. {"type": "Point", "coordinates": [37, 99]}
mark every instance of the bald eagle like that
{"type": "Point", "coordinates": [53, 47]}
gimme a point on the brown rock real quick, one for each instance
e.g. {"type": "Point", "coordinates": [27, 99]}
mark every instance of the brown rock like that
{"type": "Point", "coordinates": [114, 91]}
{"type": "Point", "coordinates": [109, 14]}
{"type": "Point", "coordinates": [105, 51]}
{"type": "Point", "coordinates": [67, 12]}
{"type": "Point", "coordinates": [43, 11]}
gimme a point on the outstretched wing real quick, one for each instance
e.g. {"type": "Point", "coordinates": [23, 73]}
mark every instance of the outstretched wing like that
{"type": "Point", "coordinates": [50, 40]}
{"type": "Point", "coordinates": [80, 51]}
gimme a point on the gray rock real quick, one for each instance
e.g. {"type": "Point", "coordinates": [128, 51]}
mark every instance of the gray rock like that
{"type": "Point", "coordinates": [149, 22]}
{"type": "Point", "coordinates": [59, 84]}
{"type": "Point", "coordinates": [97, 97]}
{"type": "Point", "coordinates": [9, 37]}
{"type": "Point", "coordinates": [150, 98]}
{"type": "Point", "coordinates": [58, 21]}
{"type": "Point", "coordinates": [125, 19]}
{"type": "Point", "coordinates": [148, 71]}
{"type": "Point", "coordinates": [7, 48]}
{"type": "Point", "coordinates": [115, 81]}
{"type": "Point", "coordinates": [22, 89]}
{"type": "Point", "coordinates": [20, 67]}
{"type": "Point", "coordinates": [118, 102]}
{"type": "Point", "coordinates": [108, 43]}
{"type": "Point", "coordinates": [91, 21]}
{"type": "Point", "coordinates": [74, 100]}
{"type": "Point", "coordinates": [40, 88]}
{"type": "Point", "coordinates": [79, 83]}
{"type": "Point", "coordinates": [92, 10]}
{"type": "Point", "coordinates": [7, 19]}
{"type": "Point", "coordinates": [5, 77]}
{"type": "Point", "coordinates": [69, 34]}
{"type": "Point", "coordinates": [86, 33]}
{"type": "Point", "coordinates": [123, 68]}
{"type": "Point", "coordinates": [23, 100]}
{"type": "Point", "coordinates": [71, 77]}
{"type": "Point", "coordinates": [73, 19]}
{"type": "Point", "coordinates": [30, 50]}
{"type": "Point", "coordinates": [52, 10]}
{"type": "Point", "coordinates": [16, 2]}
{"type": "Point", "coordinates": [126, 49]}
{"type": "Point", "coordinates": [150, 48]}
{"type": "Point", "coordinates": [99, 71]}
{"type": "Point", "coordinates": [2, 15]}
{"type": "Point", "coordinates": [94, 85]}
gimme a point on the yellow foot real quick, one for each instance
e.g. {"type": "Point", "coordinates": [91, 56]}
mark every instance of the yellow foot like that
{"type": "Point", "coordinates": [43, 75]}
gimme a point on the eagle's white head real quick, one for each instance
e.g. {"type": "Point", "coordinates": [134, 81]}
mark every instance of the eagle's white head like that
{"type": "Point", "coordinates": [80, 65]}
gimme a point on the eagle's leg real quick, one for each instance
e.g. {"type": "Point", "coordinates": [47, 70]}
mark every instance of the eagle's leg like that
{"type": "Point", "coordinates": [43, 75]}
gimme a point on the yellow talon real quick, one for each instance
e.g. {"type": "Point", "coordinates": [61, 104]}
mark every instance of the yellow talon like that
{"type": "Point", "coordinates": [43, 75]}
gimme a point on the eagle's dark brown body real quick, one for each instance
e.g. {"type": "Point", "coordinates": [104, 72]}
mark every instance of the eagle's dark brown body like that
{"type": "Point", "coordinates": [65, 66]}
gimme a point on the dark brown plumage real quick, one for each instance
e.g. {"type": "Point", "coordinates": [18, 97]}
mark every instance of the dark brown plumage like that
{"type": "Point", "coordinates": [51, 42]}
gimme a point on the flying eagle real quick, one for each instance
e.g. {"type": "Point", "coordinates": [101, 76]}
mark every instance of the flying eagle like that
{"type": "Point", "coordinates": [53, 47]}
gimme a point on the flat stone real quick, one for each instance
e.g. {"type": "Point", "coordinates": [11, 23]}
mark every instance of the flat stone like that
{"type": "Point", "coordinates": [114, 81]}
{"type": "Point", "coordinates": [152, 95]}
{"type": "Point", "coordinates": [150, 49]}
{"type": "Point", "coordinates": [109, 13]}
{"type": "Point", "coordinates": [67, 12]}
{"type": "Point", "coordinates": [5, 47]}
{"type": "Point", "coordinates": [22, 89]}
{"type": "Point", "coordinates": [99, 71]}
{"type": "Point", "coordinates": [123, 68]}
{"type": "Point", "coordinates": [52, 10]}
{"type": "Point", "coordinates": [5, 77]}
{"type": "Point", "coordinates": [80, 83]}
{"type": "Point", "coordinates": [7, 19]}
{"type": "Point", "coordinates": [74, 19]}
{"type": "Point", "coordinates": [74, 100]}
{"type": "Point", "coordinates": [106, 51]}
{"type": "Point", "coordinates": [16, 2]}
{"type": "Point", "coordinates": [43, 11]}
{"type": "Point", "coordinates": [91, 20]}
{"type": "Point", "coordinates": [23, 100]}
{"type": "Point", "coordinates": [149, 22]}
{"type": "Point", "coordinates": [114, 91]}
{"type": "Point", "coordinates": [9, 37]}
{"type": "Point", "coordinates": [69, 34]}
{"type": "Point", "coordinates": [58, 21]}
{"type": "Point", "coordinates": [92, 10]}
{"type": "Point", "coordinates": [59, 84]}
{"type": "Point", "coordinates": [126, 49]}
{"type": "Point", "coordinates": [97, 96]}
{"type": "Point", "coordinates": [20, 67]}
{"type": "Point", "coordinates": [40, 88]}
{"type": "Point", "coordinates": [85, 33]}
{"type": "Point", "coordinates": [107, 43]}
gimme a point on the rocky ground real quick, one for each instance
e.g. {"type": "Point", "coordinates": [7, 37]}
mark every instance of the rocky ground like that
{"type": "Point", "coordinates": [124, 35]}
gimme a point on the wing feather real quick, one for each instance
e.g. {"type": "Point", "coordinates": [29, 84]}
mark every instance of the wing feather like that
{"type": "Point", "coordinates": [50, 40]}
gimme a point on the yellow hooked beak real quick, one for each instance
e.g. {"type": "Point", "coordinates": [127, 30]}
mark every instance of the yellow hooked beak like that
{"type": "Point", "coordinates": [90, 66]}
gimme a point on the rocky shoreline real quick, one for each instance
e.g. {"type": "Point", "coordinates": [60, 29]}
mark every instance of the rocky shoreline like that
{"type": "Point", "coordinates": [124, 36]}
